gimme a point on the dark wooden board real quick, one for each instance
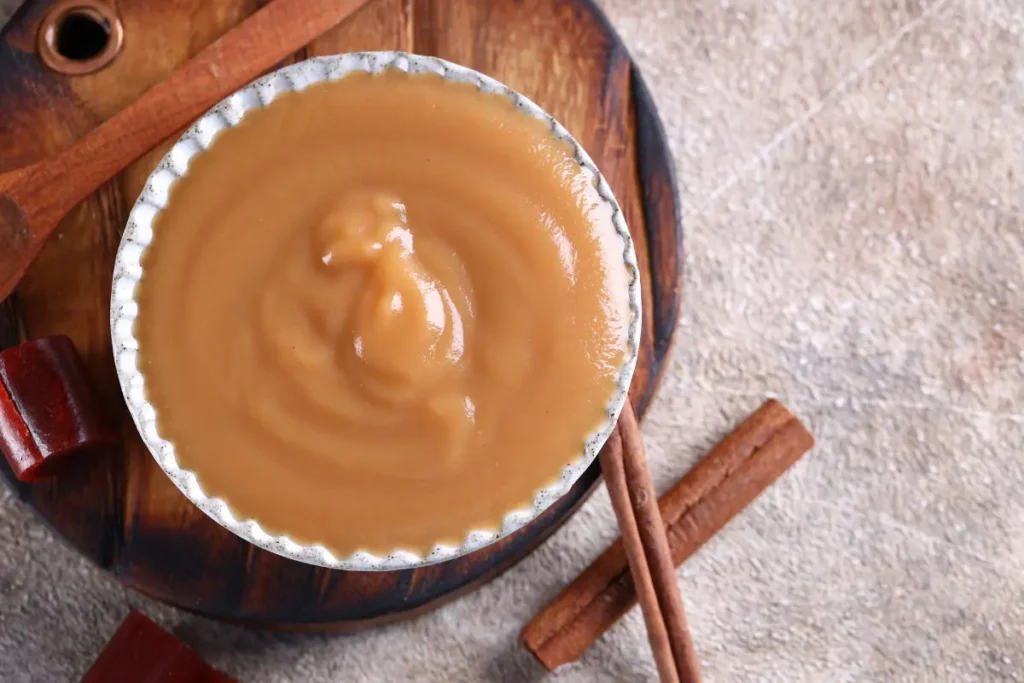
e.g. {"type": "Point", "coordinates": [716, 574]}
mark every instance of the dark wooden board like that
{"type": "Point", "coordinates": [119, 509]}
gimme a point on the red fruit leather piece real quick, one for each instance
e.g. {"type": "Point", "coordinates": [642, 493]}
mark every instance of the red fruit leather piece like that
{"type": "Point", "coordinates": [142, 652]}
{"type": "Point", "coordinates": [49, 409]}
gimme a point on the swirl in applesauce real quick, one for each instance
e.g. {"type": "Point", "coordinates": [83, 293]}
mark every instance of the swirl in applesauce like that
{"type": "Point", "coordinates": [377, 343]}
{"type": "Point", "coordinates": [382, 312]}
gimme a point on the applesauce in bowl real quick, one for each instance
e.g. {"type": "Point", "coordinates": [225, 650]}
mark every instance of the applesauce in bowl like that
{"type": "Point", "coordinates": [375, 311]}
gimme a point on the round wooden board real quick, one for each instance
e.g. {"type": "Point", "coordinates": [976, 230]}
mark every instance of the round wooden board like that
{"type": "Point", "coordinates": [120, 510]}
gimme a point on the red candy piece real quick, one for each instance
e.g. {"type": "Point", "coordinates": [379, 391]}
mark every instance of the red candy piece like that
{"type": "Point", "coordinates": [48, 407]}
{"type": "Point", "coordinates": [142, 652]}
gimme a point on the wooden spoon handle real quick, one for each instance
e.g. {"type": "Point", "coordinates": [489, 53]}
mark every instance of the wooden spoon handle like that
{"type": "Point", "coordinates": [46, 191]}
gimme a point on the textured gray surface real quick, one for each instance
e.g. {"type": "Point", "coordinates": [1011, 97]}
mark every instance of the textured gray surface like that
{"type": "Point", "coordinates": [853, 181]}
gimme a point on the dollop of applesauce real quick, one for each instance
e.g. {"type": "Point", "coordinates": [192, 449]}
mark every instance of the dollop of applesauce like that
{"type": "Point", "coordinates": [382, 312]}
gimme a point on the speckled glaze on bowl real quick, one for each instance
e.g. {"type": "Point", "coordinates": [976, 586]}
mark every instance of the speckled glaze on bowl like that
{"type": "Point", "coordinates": [138, 234]}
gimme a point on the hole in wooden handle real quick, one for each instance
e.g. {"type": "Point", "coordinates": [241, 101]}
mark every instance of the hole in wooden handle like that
{"type": "Point", "coordinates": [79, 37]}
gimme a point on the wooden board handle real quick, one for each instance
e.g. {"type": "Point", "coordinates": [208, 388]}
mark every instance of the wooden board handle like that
{"type": "Point", "coordinates": [34, 199]}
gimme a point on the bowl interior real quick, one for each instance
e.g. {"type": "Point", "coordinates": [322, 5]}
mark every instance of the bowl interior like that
{"type": "Point", "coordinates": [129, 270]}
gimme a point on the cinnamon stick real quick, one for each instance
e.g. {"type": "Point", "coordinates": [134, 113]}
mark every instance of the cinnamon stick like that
{"type": "Point", "coordinates": [33, 199]}
{"type": "Point", "coordinates": [656, 547]}
{"type": "Point", "coordinates": [724, 482]}
{"type": "Point", "coordinates": [614, 471]}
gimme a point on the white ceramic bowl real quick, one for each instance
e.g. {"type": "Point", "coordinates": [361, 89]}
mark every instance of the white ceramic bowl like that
{"type": "Point", "coordinates": [128, 270]}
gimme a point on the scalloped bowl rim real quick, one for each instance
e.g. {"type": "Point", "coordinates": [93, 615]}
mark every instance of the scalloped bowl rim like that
{"type": "Point", "coordinates": [138, 234]}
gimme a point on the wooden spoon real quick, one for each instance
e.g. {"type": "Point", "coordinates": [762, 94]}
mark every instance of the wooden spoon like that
{"type": "Point", "coordinates": [33, 199]}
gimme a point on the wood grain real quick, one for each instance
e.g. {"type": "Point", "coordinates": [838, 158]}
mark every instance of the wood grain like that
{"type": "Point", "coordinates": [35, 197]}
{"type": "Point", "coordinates": [121, 511]}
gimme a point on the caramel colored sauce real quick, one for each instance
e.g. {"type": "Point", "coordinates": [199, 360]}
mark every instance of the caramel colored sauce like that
{"type": "Point", "coordinates": [382, 312]}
